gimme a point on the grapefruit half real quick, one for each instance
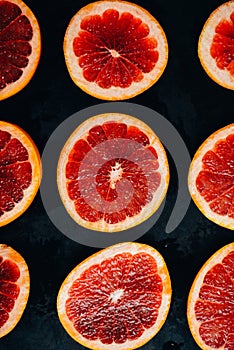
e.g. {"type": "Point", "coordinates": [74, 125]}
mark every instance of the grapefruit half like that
{"type": "Point", "coordinates": [211, 177]}
{"type": "Point", "coordinates": [20, 171]}
{"type": "Point", "coordinates": [14, 288]}
{"type": "Point", "coordinates": [216, 45]}
{"type": "Point", "coordinates": [20, 46]}
{"type": "Point", "coordinates": [112, 173]}
{"type": "Point", "coordinates": [114, 49]}
{"type": "Point", "coordinates": [117, 298]}
{"type": "Point", "coordinates": [210, 303]}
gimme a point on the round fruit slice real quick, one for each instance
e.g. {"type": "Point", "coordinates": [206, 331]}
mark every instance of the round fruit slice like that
{"type": "Point", "coordinates": [211, 177]}
{"type": "Point", "coordinates": [216, 45]}
{"type": "Point", "coordinates": [20, 172]}
{"type": "Point", "coordinates": [112, 173]}
{"type": "Point", "coordinates": [118, 298]}
{"type": "Point", "coordinates": [20, 46]}
{"type": "Point", "coordinates": [115, 50]}
{"type": "Point", "coordinates": [210, 303]}
{"type": "Point", "coordinates": [14, 288]}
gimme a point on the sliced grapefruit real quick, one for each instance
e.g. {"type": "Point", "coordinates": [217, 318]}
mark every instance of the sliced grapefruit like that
{"type": "Point", "coordinates": [117, 298]}
{"type": "Point", "coordinates": [20, 46]}
{"type": "Point", "coordinates": [211, 177]}
{"type": "Point", "coordinates": [14, 288]}
{"type": "Point", "coordinates": [115, 49]}
{"type": "Point", "coordinates": [20, 171]}
{"type": "Point", "coordinates": [216, 45]}
{"type": "Point", "coordinates": [112, 173]}
{"type": "Point", "coordinates": [210, 303]}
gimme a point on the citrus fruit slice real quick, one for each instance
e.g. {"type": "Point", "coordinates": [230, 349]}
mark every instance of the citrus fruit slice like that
{"type": "Point", "coordinates": [216, 45]}
{"type": "Point", "coordinates": [112, 173]}
{"type": "Point", "coordinates": [211, 177]}
{"type": "Point", "coordinates": [117, 298]}
{"type": "Point", "coordinates": [20, 171]}
{"type": "Point", "coordinates": [210, 303]}
{"type": "Point", "coordinates": [14, 288]}
{"type": "Point", "coordinates": [20, 46]}
{"type": "Point", "coordinates": [114, 50]}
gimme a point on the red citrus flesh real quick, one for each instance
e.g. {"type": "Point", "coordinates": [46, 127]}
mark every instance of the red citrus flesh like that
{"type": "Point", "coordinates": [9, 290]}
{"type": "Point", "coordinates": [112, 173]}
{"type": "Point", "coordinates": [15, 35]}
{"type": "Point", "coordinates": [133, 276]}
{"type": "Point", "coordinates": [222, 47]}
{"type": "Point", "coordinates": [114, 49]}
{"type": "Point", "coordinates": [216, 45]}
{"type": "Point", "coordinates": [118, 298]}
{"type": "Point", "coordinates": [14, 288]}
{"type": "Point", "coordinates": [20, 46]}
{"type": "Point", "coordinates": [216, 180]}
{"type": "Point", "coordinates": [214, 309]}
{"type": "Point", "coordinates": [15, 171]}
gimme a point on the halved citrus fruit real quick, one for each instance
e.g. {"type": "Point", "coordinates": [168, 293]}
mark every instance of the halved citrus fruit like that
{"type": "Point", "coordinates": [20, 46]}
{"type": "Point", "coordinates": [115, 49]}
{"type": "Point", "coordinates": [20, 171]}
{"type": "Point", "coordinates": [117, 298]}
{"type": "Point", "coordinates": [14, 288]}
{"type": "Point", "coordinates": [210, 303]}
{"type": "Point", "coordinates": [211, 177]}
{"type": "Point", "coordinates": [216, 45]}
{"type": "Point", "coordinates": [112, 173]}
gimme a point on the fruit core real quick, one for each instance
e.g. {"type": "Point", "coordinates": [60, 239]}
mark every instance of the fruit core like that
{"type": "Point", "coordinates": [15, 48]}
{"type": "Point", "coordinates": [15, 171]}
{"type": "Point", "coordinates": [115, 49]}
{"type": "Point", "coordinates": [116, 295]}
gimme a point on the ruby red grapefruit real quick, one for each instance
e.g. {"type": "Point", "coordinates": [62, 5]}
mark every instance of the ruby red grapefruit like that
{"type": "Point", "coordinates": [20, 171]}
{"type": "Point", "coordinates": [112, 173]}
{"type": "Point", "coordinates": [117, 298]}
{"type": "Point", "coordinates": [211, 177]}
{"type": "Point", "coordinates": [14, 288]}
{"type": "Point", "coordinates": [210, 303]}
{"type": "Point", "coordinates": [115, 49]}
{"type": "Point", "coordinates": [216, 45]}
{"type": "Point", "coordinates": [20, 46]}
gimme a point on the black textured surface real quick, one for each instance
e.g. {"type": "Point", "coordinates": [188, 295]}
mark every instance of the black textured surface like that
{"type": "Point", "coordinates": [188, 98]}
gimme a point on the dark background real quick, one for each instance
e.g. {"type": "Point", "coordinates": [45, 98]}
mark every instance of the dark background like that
{"type": "Point", "coordinates": [188, 98]}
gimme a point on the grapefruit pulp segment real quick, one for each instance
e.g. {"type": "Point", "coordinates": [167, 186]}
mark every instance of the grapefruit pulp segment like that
{"type": "Point", "coordinates": [112, 173]}
{"type": "Point", "coordinates": [118, 298]}
{"type": "Point", "coordinates": [14, 288]}
{"type": "Point", "coordinates": [114, 49]}
{"type": "Point", "coordinates": [210, 311]}
{"type": "Point", "coordinates": [20, 171]}
{"type": "Point", "coordinates": [216, 47]}
{"type": "Point", "coordinates": [211, 177]}
{"type": "Point", "coordinates": [20, 46]}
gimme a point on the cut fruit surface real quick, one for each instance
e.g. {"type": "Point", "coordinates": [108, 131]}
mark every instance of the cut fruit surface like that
{"type": "Point", "coordinates": [117, 298]}
{"type": "Point", "coordinates": [20, 171]}
{"type": "Point", "coordinates": [216, 45]}
{"type": "Point", "coordinates": [211, 177]}
{"type": "Point", "coordinates": [210, 303]}
{"type": "Point", "coordinates": [20, 46]}
{"type": "Point", "coordinates": [14, 288]}
{"type": "Point", "coordinates": [115, 50]}
{"type": "Point", "coordinates": [112, 173]}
